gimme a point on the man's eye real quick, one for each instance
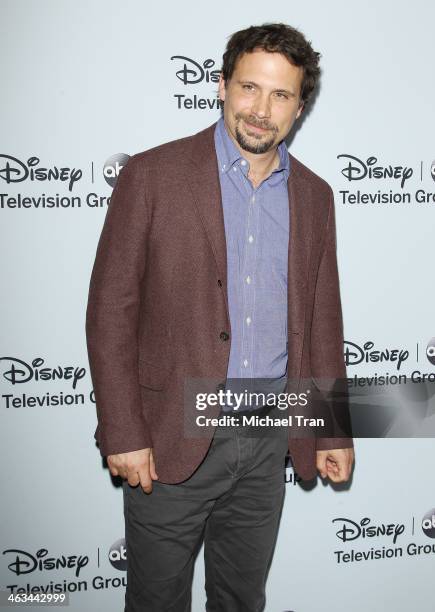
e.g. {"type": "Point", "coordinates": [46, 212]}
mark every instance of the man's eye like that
{"type": "Point", "coordinates": [248, 87]}
{"type": "Point", "coordinates": [282, 95]}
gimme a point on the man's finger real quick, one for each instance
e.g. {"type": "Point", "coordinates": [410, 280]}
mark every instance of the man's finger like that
{"type": "Point", "coordinates": [115, 471]}
{"type": "Point", "coordinates": [133, 479]}
{"type": "Point", "coordinates": [321, 466]}
{"type": "Point", "coordinates": [153, 472]}
{"type": "Point", "coordinates": [338, 471]}
{"type": "Point", "coordinates": [145, 478]}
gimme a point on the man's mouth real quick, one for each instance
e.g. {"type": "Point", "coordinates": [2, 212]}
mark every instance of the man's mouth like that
{"type": "Point", "coordinates": [256, 128]}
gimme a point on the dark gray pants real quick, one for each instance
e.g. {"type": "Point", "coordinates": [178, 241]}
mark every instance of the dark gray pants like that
{"type": "Point", "coordinates": [233, 502]}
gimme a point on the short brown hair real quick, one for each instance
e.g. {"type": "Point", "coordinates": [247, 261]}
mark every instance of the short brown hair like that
{"type": "Point", "coordinates": [275, 38]}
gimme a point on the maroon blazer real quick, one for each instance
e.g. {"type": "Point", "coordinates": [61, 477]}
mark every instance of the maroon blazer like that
{"type": "Point", "coordinates": [158, 301]}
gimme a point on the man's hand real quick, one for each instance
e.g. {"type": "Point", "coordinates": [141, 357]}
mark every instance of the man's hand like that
{"type": "Point", "coordinates": [136, 467]}
{"type": "Point", "coordinates": [336, 463]}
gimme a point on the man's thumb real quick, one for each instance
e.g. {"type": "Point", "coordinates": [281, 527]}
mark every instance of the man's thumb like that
{"type": "Point", "coordinates": [153, 472]}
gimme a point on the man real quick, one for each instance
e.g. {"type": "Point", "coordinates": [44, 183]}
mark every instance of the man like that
{"type": "Point", "coordinates": [216, 260]}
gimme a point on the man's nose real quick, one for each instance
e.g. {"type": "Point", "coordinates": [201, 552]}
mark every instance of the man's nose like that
{"type": "Point", "coordinates": [261, 106]}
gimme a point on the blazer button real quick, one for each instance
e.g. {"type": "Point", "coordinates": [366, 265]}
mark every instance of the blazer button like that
{"type": "Point", "coordinates": [219, 283]}
{"type": "Point", "coordinates": [220, 387]}
{"type": "Point", "coordinates": [224, 336]}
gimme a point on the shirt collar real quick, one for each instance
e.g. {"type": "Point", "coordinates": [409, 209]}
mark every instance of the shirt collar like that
{"type": "Point", "coordinates": [228, 155]}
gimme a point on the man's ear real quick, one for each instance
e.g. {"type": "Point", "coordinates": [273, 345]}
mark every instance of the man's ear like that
{"type": "Point", "coordinates": [300, 109]}
{"type": "Point", "coordinates": [222, 89]}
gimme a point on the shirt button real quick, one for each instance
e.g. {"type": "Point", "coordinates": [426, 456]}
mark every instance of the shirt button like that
{"type": "Point", "coordinates": [251, 238]}
{"type": "Point", "coordinates": [253, 199]}
{"type": "Point", "coordinates": [248, 280]}
{"type": "Point", "coordinates": [219, 283]}
{"type": "Point", "coordinates": [248, 320]}
{"type": "Point", "coordinates": [235, 169]}
{"type": "Point", "coordinates": [245, 363]}
{"type": "Point", "coordinates": [224, 336]}
{"type": "Point", "coordinates": [243, 162]}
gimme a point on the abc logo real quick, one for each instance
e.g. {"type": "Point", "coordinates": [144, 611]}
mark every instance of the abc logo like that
{"type": "Point", "coordinates": [118, 555]}
{"type": "Point", "coordinates": [432, 170]}
{"type": "Point", "coordinates": [113, 167]}
{"type": "Point", "coordinates": [430, 351]}
{"type": "Point", "coordinates": [428, 523]}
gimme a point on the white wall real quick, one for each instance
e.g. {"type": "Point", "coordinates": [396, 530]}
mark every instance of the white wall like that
{"type": "Point", "coordinates": [84, 81]}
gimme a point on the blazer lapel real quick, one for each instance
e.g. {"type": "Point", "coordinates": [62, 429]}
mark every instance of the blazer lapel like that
{"type": "Point", "coordinates": [301, 210]}
{"type": "Point", "coordinates": [203, 180]}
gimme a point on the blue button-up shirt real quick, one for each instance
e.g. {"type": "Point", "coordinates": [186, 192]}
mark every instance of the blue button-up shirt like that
{"type": "Point", "coordinates": [257, 235]}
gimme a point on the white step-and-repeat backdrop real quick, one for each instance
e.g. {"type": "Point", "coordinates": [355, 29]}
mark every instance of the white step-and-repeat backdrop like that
{"type": "Point", "coordinates": [85, 84]}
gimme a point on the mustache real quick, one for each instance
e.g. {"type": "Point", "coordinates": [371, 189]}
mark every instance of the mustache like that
{"type": "Point", "coordinates": [265, 124]}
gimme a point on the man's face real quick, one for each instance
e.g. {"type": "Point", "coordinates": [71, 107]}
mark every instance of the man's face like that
{"type": "Point", "coordinates": [262, 100]}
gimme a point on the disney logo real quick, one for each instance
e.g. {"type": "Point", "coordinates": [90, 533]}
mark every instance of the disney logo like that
{"type": "Point", "coordinates": [21, 372]}
{"type": "Point", "coordinates": [192, 72]}
{"type": "Point", "coordinates": [354, 354]}
{"type": "Point", "coordinates": [350, 530]}
{"type": "Point", "coordinates": [25, 563]}
{"type": "Point", "coordinates": [356, 170]}
{"type": "Point", "coordinates": [12, 170]}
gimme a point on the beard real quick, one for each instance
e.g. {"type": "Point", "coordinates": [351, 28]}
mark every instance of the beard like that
{"type": "Point", "coordinates": [253, 142]}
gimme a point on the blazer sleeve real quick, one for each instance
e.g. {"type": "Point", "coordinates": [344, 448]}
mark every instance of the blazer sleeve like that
{"type": "Point", "coordinates": [327, 353]}
{"type": "Point", "coordinates": [112, 315]}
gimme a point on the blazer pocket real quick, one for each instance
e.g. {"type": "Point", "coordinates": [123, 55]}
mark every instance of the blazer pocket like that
{"type": "Point", "coordinates": [151, 376]}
